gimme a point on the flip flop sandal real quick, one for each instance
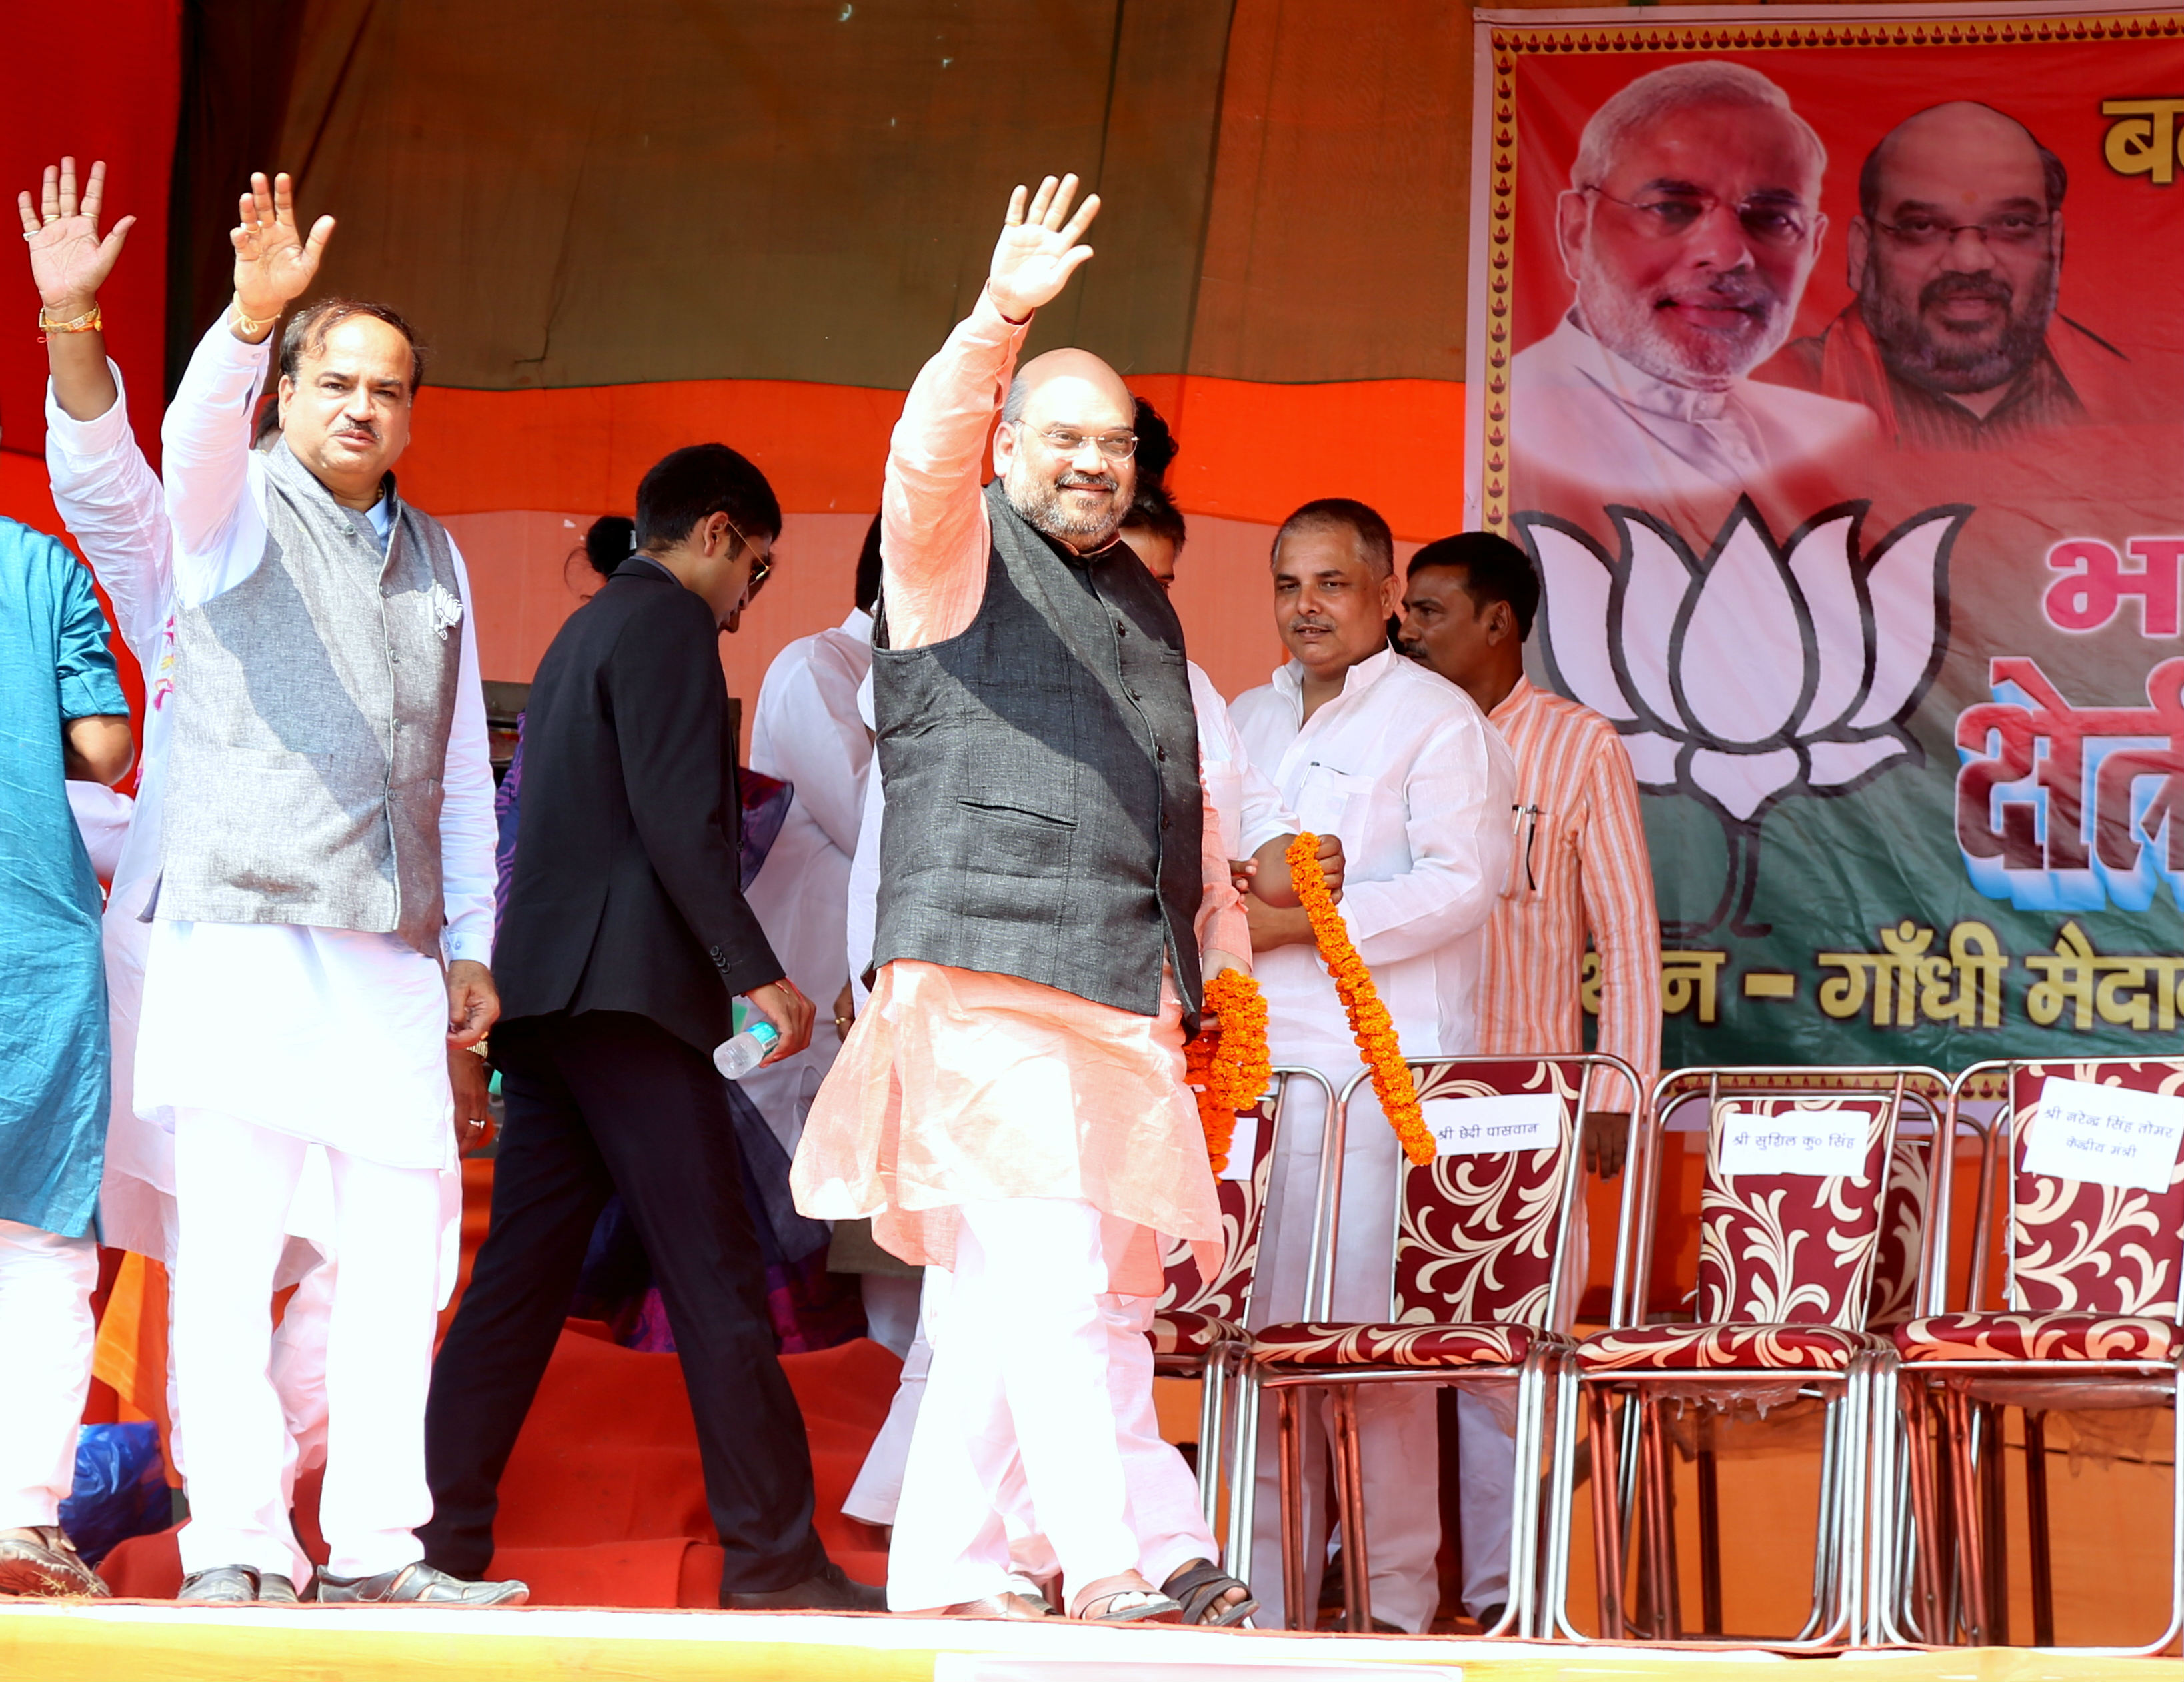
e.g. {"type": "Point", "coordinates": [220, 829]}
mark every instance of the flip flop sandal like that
{"type": "Point", "coordinates": [1157, 1608]}
{"type": "Point", "coordinates": [1199, 1587]}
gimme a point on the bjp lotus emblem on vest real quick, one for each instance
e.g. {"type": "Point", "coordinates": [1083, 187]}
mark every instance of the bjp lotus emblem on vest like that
{"type": "Point", "coordinates": [1758, 670]}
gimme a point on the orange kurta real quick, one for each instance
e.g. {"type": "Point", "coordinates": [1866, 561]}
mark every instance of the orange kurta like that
{"type": "Point", "coordinates": [960, 1086]}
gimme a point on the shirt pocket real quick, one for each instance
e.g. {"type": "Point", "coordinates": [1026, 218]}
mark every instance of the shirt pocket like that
{"type": "Point", "coordinates": [1333, 802]}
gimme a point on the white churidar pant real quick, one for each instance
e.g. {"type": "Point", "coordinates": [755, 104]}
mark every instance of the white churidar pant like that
{"type": "Point", "coordinates": [1396, 1423]}
{"type": "Point", "coordinates": [877, 1495]}
{"type": "Point", "coordinates": [233, 1183]}
{"type": "Point", "coordinates": [47, 1334]}
{"type": "Point", "coordinates": [1020, 1365]}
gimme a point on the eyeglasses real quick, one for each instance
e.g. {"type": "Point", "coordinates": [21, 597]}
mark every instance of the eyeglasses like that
{"type": "Point", "coordinates": [762, 563]}
{"type": "Point", "coordinates": [1112, 446]}
{"type": "Point", "coordinates": [1524, 823]}
{"type": "Point", "coordinates": [2011, 228]}
{"type": "Point", "coordinates": [1671, 215]}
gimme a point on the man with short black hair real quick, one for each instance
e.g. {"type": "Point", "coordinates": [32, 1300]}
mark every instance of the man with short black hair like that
{"type": "Point", "coordinates": [324, 904]}
{"type": "Point", "coordinates": [625, 940]}
{"type": "Point", "coordinates": [1404, 769]}
{"type": "Point", "coordinates": [1579, 870]}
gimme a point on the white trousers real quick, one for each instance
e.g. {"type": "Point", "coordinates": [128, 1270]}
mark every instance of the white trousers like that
{"type": "Point", "coordinates": [233, 1185]}
{"type": "Point", "coordinates": [1399, 1441]}
{"type": "Point", "coordinates": [1164, 1511]}
{"type": "Point", "coordinates": [877, 1495]}
{"type": "Point", "coordinates": [1020, 1367]}
{"type": "Point", "coordinates": [46, 1341]}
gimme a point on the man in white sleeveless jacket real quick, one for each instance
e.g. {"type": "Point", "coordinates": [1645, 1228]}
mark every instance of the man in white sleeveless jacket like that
{"type": "Point", "coordinates": [323, 916]}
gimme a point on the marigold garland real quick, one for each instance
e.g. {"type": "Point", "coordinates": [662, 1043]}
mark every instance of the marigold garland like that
{"type": "Point", "coordinates": [1227, 1063]}
{"type": "Point", "coordinates": [1370, 1024]}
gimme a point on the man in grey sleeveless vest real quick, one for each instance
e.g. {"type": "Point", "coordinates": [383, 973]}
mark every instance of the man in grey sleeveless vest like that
{"type": "Point", "coordinates": [1009, 1109]}
{"type": "Point", "coordinates": [322, 922]}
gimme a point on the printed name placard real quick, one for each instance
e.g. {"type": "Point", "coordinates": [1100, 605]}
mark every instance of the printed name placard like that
{"type": "Point", "coordinates": [1476, 1127]}
{"type": "Point", "coordinates": [2109, 1134]}
{"type": "Point", "coordinates": [1243, 1146]}
{"type": "Point", "coordinates": [1823, 1143]}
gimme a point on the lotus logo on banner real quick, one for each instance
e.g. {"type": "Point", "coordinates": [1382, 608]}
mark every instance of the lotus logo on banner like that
{"type": "Point", "coordinates": [1757, 671]}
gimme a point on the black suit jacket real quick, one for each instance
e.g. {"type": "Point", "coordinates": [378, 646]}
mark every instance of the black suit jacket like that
{"type": "Point", "coordinates": [626, 891]}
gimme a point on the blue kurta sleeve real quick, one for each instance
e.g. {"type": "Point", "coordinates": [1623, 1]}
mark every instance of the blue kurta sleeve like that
{"type": "Point", "coordinates": [90, 686]}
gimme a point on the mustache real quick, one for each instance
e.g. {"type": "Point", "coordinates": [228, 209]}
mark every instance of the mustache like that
{"type": "Point", "coordinates": [1989, 288]}
{"type": "Point", "coordinates": [1087, 482]}
{"type": "Point", "coordinates": [1734, 290]}
{"type": "Point", "coordinates": [1306, 622]}
{"type": "Point", "coordinates": [365, 427]}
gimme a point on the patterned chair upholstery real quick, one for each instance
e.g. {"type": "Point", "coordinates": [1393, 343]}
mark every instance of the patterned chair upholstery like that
{"type": "Point", "coordinates": [1478, 1256]}
{"type": "Point", "coordinates": [2090, 1317]}
{"type": "Point", "coordinates": [1792, 1270]}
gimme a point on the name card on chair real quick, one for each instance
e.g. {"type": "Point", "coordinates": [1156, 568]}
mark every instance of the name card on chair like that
{"type": "Point", "coordinates": [1476, 1127]}
{"type": "Point", "coordinates": [2111, 1135]}
{"type": "Point", "coordinates": [1243, 1146]}
{"type": "Point", "coordinates": [1824, 1143]}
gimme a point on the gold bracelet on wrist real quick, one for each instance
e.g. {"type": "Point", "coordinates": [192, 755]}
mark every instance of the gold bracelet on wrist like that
{"type": "Point", "coordinates": [246, 325]}
{"type": "Point", "coordinates": [89, 322]}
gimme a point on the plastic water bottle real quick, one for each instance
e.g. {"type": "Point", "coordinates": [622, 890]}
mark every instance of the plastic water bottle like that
{"type": "Point", "coordinates": [736, 1058]}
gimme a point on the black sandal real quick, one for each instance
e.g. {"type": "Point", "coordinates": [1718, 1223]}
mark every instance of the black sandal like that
{"type": "Point", "coordinates": [1200, 1586]}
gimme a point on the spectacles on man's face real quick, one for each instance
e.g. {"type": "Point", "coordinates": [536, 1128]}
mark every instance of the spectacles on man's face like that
{"type": "Point", "coordinates": [762, 563]}
{"type": "Point", "coordinates": [2011, 229]}
{"type": "Point", "coordinates": [1068, 442]}
{"type": "Point", "coordinates": [1768, 218]}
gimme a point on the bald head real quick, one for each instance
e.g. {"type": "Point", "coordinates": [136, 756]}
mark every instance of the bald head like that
{"type": "Point", "coordinates": [1965, 145]}
{"type": "Point", "coordinates": [1065, 449]}
{"type": "Point", "coordinates": [1957, 249]}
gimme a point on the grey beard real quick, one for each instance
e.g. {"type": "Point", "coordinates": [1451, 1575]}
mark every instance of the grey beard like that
{"type": "Point", "coordinates": [1913, 353]}
{"type": "Point", "coordinates": [1040, 504]}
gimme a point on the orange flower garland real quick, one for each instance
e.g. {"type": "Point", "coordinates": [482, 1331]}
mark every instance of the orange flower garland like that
{"type": "Point", "coordinates": [1370, 1024]}
{"type": "Point", "coordinates": [1229, 1064]}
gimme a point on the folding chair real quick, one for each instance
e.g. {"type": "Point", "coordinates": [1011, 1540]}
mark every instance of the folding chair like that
{"type": "Point", "coordinates": [1198, 1326]}
{"type": "Point", "coordinates": [2089, 1317]}
{"type": "Point", "coordinates": [1786, 1266]}
{"type": "Point", "coordinates": [1477, 1296]}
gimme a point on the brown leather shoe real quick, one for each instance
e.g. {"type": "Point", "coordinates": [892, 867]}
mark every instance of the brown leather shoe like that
{"type": "Point", "coordinates": [41, 1563]}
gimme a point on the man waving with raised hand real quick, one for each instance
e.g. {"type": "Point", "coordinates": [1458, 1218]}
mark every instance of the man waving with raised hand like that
{"type": "Point", "coordinates": [323, 917]}
{"type": "Point", "coordinates": [1009, 1109]}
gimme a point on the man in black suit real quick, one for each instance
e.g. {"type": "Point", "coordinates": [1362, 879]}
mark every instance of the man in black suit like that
{"type": "Point", "coordinates": [625, 939]}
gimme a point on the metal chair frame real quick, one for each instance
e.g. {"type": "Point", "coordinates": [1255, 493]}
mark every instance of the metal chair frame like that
{"type": "Point", "coordinates": [1216, 1367]}
{"type": "Point", "coordinates": [1632, 1480]}
{"type": "Point", "coordinates": [1957, 1496]}
{"type": "Point", "coordinates": [1532, 1377]}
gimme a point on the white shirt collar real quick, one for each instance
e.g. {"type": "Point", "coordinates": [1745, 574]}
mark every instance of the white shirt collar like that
{"type": "Point", "coordinates": [1288, 680]}
{"type": "Point", "coordinates": [859, 623]}
{"type": "Point", "coordinates": [1626, 380]}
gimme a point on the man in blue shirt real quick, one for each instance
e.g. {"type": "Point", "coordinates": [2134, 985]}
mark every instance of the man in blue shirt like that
{"type": "Point", "coordinates": [62, 715]}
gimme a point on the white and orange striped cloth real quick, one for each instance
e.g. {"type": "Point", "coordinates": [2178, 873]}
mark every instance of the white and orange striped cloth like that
{"type": "Point", "coordinates": [1578, 867]}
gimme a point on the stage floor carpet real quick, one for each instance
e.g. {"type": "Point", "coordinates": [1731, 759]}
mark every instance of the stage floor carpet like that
{"type": "Point", "coordinates": [150, 1642]}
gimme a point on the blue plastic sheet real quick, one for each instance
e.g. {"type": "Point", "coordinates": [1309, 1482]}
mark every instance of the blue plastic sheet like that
{"type": "Point", "coordinates": [120, 1488]}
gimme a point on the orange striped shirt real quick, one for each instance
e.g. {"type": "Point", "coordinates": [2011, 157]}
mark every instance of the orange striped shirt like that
{"type": "Point", "coordinates": [1578, 867]}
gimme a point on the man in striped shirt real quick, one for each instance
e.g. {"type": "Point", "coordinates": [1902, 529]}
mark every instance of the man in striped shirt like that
{"type": "Point", "coordinates": [1577, 868]}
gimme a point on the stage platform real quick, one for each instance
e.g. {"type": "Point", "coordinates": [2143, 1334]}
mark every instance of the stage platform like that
{"type": "Point", "coordinates": [145, 1641]}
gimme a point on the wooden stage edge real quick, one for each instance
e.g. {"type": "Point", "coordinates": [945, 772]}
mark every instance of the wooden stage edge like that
{"type": "Point", "coordinates": [145, 1641]}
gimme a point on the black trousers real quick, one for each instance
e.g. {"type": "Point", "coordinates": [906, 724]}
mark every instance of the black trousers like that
{"type": "Point", "coordinates": [598, 1103]}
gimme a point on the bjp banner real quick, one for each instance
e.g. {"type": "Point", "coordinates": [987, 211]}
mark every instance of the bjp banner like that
{"type": "Point", "coordinates": [1827, 363]}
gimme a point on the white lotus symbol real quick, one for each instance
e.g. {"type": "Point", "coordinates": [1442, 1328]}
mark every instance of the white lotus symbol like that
{"type": "Point", "coordinates": [1757, 671]}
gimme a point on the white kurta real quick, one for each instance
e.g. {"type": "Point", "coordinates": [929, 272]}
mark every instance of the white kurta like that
{"type": "Point", "coordinates": [331, 1035]}
{"type": "Point", "coordinates": [805, 730]}
{"type": "Point", "coordinates": [113, 506]}
{"type": "Point", "coordinates": [1406, 770]}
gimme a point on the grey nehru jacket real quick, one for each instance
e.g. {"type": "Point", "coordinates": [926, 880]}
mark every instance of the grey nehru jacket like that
{"type": "Point", "coordinates": [312, 706]}
{"type": "Point", "coordinates": [1044, 814]}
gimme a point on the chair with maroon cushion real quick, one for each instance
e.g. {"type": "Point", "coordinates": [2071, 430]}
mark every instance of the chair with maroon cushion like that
{"type": "Point", "coordinates": [1479, 1295]}
{"type": "Point", "coordinates": [1787, 1265]}
{"type": "Point", "coordinates": [2087, 1318]}
{"type": "Point", "coordinates": [1198, 1326]}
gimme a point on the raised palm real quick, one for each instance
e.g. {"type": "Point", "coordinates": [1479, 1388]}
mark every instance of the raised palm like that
{"type": "Point", "coordinates": [1039, 249]}
{"type": "Point", "coordinates": [274, 260]}
{"type": "Point", "coordinates": [69, 260]}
